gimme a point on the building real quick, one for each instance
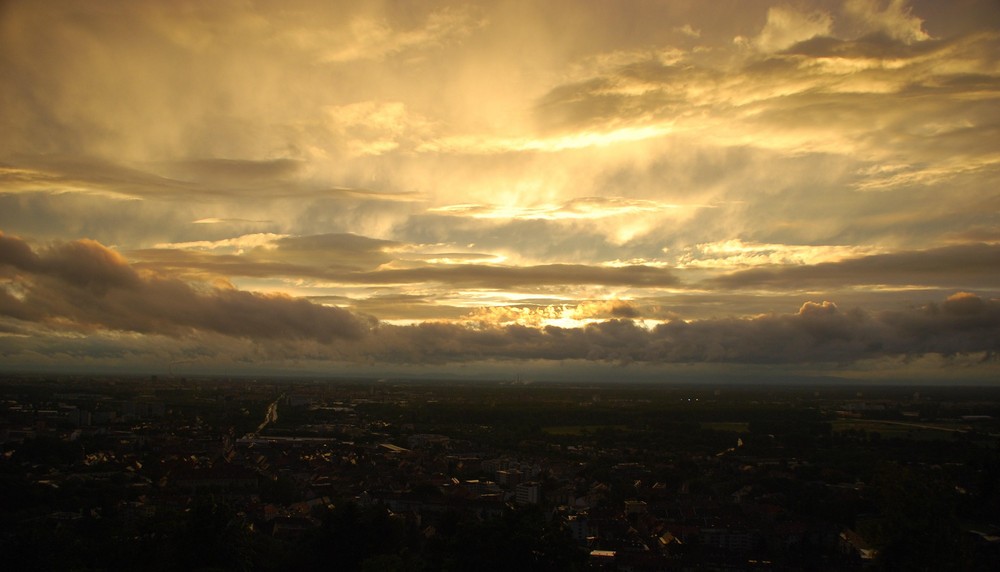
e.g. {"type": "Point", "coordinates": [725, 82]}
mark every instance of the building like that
{"type": "Point", "coordinates": [528, 493]}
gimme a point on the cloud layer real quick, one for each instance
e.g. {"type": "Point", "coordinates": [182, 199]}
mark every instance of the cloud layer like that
{"type": "Point", "coordinates": [83, 286]}
{"type": "Point", "coordinates": [499, 181]}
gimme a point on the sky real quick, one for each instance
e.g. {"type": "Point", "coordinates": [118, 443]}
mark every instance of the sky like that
{"type": "Point", "coordinates": [566, 189]}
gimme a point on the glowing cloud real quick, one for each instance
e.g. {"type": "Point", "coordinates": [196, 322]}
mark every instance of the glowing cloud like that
{"type": "Point", "coordinates": [329, 183]}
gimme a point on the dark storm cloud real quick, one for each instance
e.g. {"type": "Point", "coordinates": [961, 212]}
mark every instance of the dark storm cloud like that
{"type": "Point", "coordinates": [972, 265]}
{"type": "Point", "coordinates": [88, 264]}
{"type": "Point", "coordinates": [624, 310]}
{"type": "Point", "coordinates": [86, 286]}
{"type": "Point", "coordinates": [961, 321]}
{"type": "Point", "coordinates": [817, 333]}
{"type": "Point", "coordinates": [15, 252]}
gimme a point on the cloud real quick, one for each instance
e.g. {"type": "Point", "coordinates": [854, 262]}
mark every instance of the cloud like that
{"type": "Point", "coordinates": [963, 320]}
{"type": "Point", "coordinates": [578, 208]}
{"type": "Point", "coordinates": [735, 253]}
{"type": "Point", "coordinates": [201, 179]}
{"type": "Point", "coordinates": [73, 174]}
{"type": "Point", "coordinates": [688, 31]}
{"type": "Point", "coordinates": [15, 252]}
{"type": "Point", "coordinates": [895, 20]}
{"type": "Point", "coordinates": [374, 127]}
{"type": "Point", "coordinates": [817, 333]}
{"type": "Point", "coordinates": [236, 245]}
{"type": "Point", "coordinates": [83, 285]}
{"type": "Point", "coordinates": [786, 27]}
{"type": "Point", "coordinates": [818, 310]}
{"type": "Point", "coordinates": [419, 163]}
{"type": "Point", "coordinates": [393, 307]}
{"type": "Point", "coordinates": [351, 259]}
{"type": "Point", "coordinates": [817, 94]}
{"type": "Point", "coordinates": [88, 264]}
{"type": "Point", "coordinates": [972, 264]}
{"type": "Point", "coordinates": [831, 114]}
{"type": "Point", "coordinates": [561, 315]}
{"type": "Point", "coordinates": [373, 38]}
{"type": "Point", "coordinates": [238, 221]}
{"type": "Point", "coordinates": [500, 277]}
{"type": "Point", "coordinates": [332, 252]}
{"type": "Point", "coordinates": [236, 171]}
{"type": "Point", "coordinates": [608, 113]}
{"type": "Point", "coordinates": [604, 136]}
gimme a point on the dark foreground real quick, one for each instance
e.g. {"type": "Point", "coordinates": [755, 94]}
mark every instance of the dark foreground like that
{"type": "Point", "coordinates": [169, 474]}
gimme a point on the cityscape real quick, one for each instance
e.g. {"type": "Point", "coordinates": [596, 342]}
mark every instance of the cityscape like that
{"type": "Point", "coordinates": [500, 285]}
{"type": "Point", "coordinates": [105, 473]}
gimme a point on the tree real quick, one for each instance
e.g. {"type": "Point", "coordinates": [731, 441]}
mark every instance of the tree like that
{"type": "Point", "coordinates": [521, 540]}
{"type": "Point", "coordinates": [917, 529]}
